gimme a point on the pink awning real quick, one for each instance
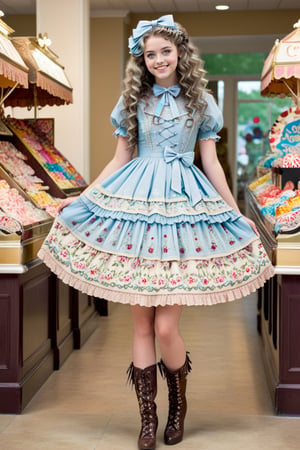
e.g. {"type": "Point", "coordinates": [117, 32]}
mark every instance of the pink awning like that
{"type": "Point", "coordinates": [48, 83]}
{"type": "Point", "coordinates": [12, 67]}
{"type": "Point", "coordinates": [281, 71]}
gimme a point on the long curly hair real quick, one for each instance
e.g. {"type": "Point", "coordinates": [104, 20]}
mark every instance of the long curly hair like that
{"type": "Point", "coordinates": [138, 80]}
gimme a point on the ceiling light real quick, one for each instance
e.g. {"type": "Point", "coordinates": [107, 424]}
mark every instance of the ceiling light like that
{"type": "Point", "coordinates": [222, 7]}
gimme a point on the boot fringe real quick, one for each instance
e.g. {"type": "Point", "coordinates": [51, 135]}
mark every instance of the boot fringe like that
{"type": "Point", "coordinates": [163, 369]}
{"type": "Point", "coordinates": [130, 375]}
{"type": "Point", "coordinates": [188, 362]}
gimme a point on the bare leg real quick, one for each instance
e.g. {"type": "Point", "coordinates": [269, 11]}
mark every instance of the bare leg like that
{"type": "Point", "coordinates": [171, 343]}
{"type": "Point", "coordinates": [143, 336]}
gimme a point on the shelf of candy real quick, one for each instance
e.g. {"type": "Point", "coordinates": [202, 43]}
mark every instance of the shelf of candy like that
{"type": "Point", "coordinates": [23, 226]}
{"type": "Point", "coordinates": [277, 193]}
{"type": "Point", "coordinates": [13, 162]}
{"type": "Point", "coordinates": [279, 207]}
{"type": "Point", "coordinates": [16, 206]}
{"type": "Point", "coordinates": [63, 174]}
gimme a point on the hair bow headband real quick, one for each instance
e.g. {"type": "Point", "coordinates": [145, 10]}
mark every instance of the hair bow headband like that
{"type": "Point", "coordinates": [134, 42]}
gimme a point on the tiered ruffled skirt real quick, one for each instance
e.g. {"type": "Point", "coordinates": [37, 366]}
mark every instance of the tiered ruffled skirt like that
{"type": "Point", "coordinates": [140, 238]}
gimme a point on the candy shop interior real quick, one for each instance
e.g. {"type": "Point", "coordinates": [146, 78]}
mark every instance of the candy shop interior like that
{"type": "Point", "coordinates": [41, 320]}
{"type": "Point", "coordinates": [277, 190]}
{"type": "Point", "coordinates": [274, 202]}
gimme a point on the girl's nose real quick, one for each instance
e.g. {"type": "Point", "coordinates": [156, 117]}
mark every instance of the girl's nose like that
{"type": "Point", "coordinates": [159, 57]}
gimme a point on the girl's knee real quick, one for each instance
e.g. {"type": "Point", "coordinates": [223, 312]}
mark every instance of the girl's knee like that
{"type": "Point", "coordinates": [143, 321]}
{"type": "Point", "coordinates": [165, 331]}
{"type": "Point", "coordinates": [166, 323]}
{"type": "Point", "coordinates": [144, 328]}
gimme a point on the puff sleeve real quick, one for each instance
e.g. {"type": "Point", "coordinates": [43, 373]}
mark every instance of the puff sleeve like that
{"type": "Point", "coordinates": [212, 121]}
{"type": "Point", "coordinates": [118, 117]}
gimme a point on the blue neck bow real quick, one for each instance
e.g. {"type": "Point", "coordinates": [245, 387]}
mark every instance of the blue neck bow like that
{"type": "Point", "coordinates": [168, 96]}
{"type": "Point", "coordinates": [143, 27]}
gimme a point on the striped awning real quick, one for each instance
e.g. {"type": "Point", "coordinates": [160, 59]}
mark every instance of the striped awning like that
{"type": "Point", "coordinates": [48, 83]}
{"type": "Point", "coordinates": [281, 71]}
{"type": "Point", "coordinates": [12, 67]}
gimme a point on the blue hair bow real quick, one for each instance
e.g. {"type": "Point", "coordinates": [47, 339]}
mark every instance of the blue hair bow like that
{"type": "Point", "coordinates": [143, 27]}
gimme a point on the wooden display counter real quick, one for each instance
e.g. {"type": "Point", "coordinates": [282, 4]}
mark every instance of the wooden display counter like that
{"type": "Point", "coordinates": [278, 323]}
{"type": "Point", "coordinates": [279, 314]}
{"type": "Point", "coordinates": [26, 354]}
{"type": "Point", "coordinates": [41, 321]}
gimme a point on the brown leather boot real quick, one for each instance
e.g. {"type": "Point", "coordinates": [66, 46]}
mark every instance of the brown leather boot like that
{"type": "Point", "coordinates": [176, 381]}
{"type": "Point", "coordinates": [145, 382]}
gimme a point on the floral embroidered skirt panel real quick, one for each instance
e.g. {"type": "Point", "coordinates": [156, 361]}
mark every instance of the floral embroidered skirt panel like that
{"type": "Point", "coordinates": [138, 239]}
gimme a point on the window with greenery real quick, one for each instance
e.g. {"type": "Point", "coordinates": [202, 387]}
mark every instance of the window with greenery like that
{"type": "Point", "coordinates": [256, 114]}
{"type": "Point", "coordinates": [234, 63]}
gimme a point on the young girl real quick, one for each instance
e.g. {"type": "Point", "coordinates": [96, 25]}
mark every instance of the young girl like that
{"type": "Point", "coordinates": [153, 231]}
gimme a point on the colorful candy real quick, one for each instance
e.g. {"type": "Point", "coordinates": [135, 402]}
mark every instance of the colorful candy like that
{"type": "Point", "coordinates": [291, 160]}
{"type": "Point", "coordinates": [13, 204]}
{"type": "Point", "coordinates": [38, 144]}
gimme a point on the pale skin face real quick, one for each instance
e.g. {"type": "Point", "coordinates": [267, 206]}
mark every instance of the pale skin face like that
{"type": "Point", "coordinates": [161, 59]}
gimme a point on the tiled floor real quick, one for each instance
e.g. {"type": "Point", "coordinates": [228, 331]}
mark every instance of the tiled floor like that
{"type": "Point", "coordinates": [86, 405]}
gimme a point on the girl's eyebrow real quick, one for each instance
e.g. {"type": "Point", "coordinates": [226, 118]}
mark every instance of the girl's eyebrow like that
{"type": "Point", "coordinates": [163, 48]}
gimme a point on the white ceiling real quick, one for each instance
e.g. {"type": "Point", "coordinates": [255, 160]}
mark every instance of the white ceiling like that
{"type": "Point", "coordinates": [113, 7]}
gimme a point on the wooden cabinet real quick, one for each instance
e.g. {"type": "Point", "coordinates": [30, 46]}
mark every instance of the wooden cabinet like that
{"type": "Point", "coordinates": [278, 323]}
{"type": "Point", "coordinates": [279, 315]}
{"type": "Point", "coordinates": [42, 321]}
{"type": "Point", "coordinates": [26, 354]}
{"type": "Point", "coordinates": [61, 322]}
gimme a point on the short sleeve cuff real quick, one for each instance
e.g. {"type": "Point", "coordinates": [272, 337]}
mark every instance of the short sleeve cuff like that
{"type": "Point", "coordinates": [120, 131]}
{"type": "Point", "coordinates": [209, 135]}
